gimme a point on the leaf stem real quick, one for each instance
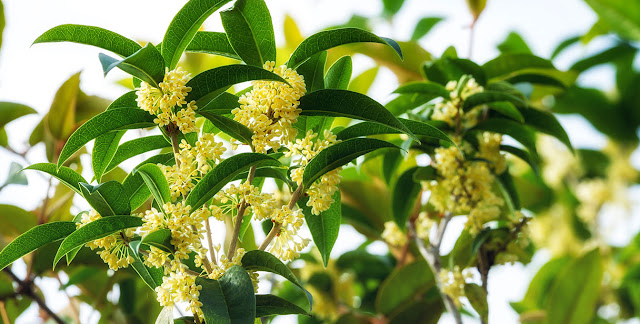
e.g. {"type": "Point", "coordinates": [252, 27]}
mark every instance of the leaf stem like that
{"type": "Point", "coordinates": [238, 221]}
{"type": "Point", "coordinates": [276, 226]}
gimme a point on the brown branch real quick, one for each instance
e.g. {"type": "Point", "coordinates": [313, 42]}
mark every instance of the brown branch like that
{"type": "Point", "coordinates": [26, 289]}
{"type": "Point", "coordinates": [276, 226]}
{"type": "Point", "coordinates": [238, 220]}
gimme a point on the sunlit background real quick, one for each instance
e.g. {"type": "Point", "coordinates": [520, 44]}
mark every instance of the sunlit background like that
{"type": "Point", "coordinates": [31, 75]}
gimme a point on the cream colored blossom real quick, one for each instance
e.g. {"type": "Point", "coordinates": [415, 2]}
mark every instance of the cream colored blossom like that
{"type": "Point", "coordinates": [115, 251]}
{"type": "Point", "coordinates": [288, 243]}
{"type": "Point", "coordinates": [452, 283]}
{"type": "Point", "coordinates": [449, 108]}
{"type": "Point", "coordinates": [179, 287]}
{"type": "Point", "coordinates": [489, 149]}
{"type": "Point", "coordinates": [393, 235]}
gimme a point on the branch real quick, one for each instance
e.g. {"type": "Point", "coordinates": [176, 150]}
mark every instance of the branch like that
{"type": "Point", "coordinates": [26, 289]}
{"type": "Point", "coordinates": [276, 226]}
{"type": "Point", "coordinates": [238, 221]}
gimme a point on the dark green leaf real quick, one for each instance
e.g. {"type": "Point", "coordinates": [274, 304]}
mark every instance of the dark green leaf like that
{"type": "Point", "coordinates": [212, 43]}
{"type": "Point", "coordinates": [487, 97]}
{"type": "Point", "coordinates": [69, 177]}
{"type": "Point", "coordinates": [534, 78]}
{"type": "Point", "coordinates": [564, 45]}
{"type": "Point", "coordinates": [150, 275]}
{"type": "Point", "coordinates": [547, 123]}
{"type": "Point", "coordinates": [229, 126]}
{"type": "Point", "coordinates": [106, 198]}
{"type": "Point", "coordinates": [324, 227]}
{"type": "Point", "coordinates": [507, 64]}
{"type": "Point", "coordinates": [423, 87]}
{"type": "Point", "coordinates": [10, 111]}
{"type": "Point", "coordinates": [248, 26]}
{"type": "Point", "coordinates": [269, 305]}
{"type": "Point", "coordinates": [390, 163]}
{"type": "Point", "coordinates": [605, 57]}
{"type": "Point", "coordinates": [404, 285]}
{"type": "Point", "coordinates": [104, 148]}
{"type": "Point", "coordinates": [160, 239]}
{"type": "Point", "coordinates": [522, 154]}
{"type": "Point", "coordinates": [429, 129]}
{"type": "Point", "coordinates": [507, 109]}
{"type": "Point", "coordinates": [135, 188]}
{"type": "Point", "coordinates": [424, 26]}
{"type": "Point", "coordinates": [156, 182]}
{"type": "Point", "coordinates": [478, 299]}
{"type": "Point", "coordinates": [221, 105]}
{"type": "Point", "coordinates": [405, 193]}
{"type": "Point", "coordinates": [90, 35]}
{"type": "Point", "coordinates": [230, 299]}
{"type": "Point", "coordinates": [339, 74]}
{"type": "Point", "coordinates": [312, 70]}
{"type": "Point", "coordinates": [33, 239]}
{"type": "Point", "coordinates": [184, 26]}
{"type": "Point", "coordinates": [506, 181]}
{"type": "Point", "coordinates": [519, 132]}
{"type": "Point", "coordinates": [327, 39]}
{"type": "Point", "coordinates": [135, 147]}
{"type": "Point", "coordinates": [146, 64]}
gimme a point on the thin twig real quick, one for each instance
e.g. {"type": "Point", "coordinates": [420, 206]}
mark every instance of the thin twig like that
{"type": "Point", "coordinates": [26, 289]}
{"type": "Point", "coordinates": [3, 312]}
{"type": "Point", "coordinates": [212, 252]}
{"type": "Point", "coordinates": [238, 221]}
{"type": "Point", "coordinates": [276, 226]}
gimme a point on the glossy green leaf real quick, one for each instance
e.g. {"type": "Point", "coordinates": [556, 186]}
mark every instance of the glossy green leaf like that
{"type": "Point", "coordinates": [152, 276]}
{"type": "Point", "coordinates": [535, 78]}
{"type": "Point", "coordinates": [104, 149]}
{"type": "Point", "coordinates": [345, 103]}
{"type": "Point", "coordinates": [519, 132]}
{"type": "Point", "coordinates": [403, 285]}
{"type": "Point", "coordinates": [146, 64]}
{"type": "Point", "coordinates": [478, 299]}
{"type": "Point", "coordinates": [339, 74]}
{"type": "Point", "coordinates": [327, 39]}
{"type": "Point", "coordinates": [230, 299]}
{"type": "Point", "coordinates": [621, 16]}
{"type": "Point", "coordinates": [135, 147]}
{"type": "Point", "coordinates": [90, 35]}
{"type": "Point", "coordinates": [538, 291]}
{"type": "Point", "coordinates": [221, 105]}
{"type": "Point", "coordinates": [312, 70]}
{"type": "Point", "coordinates": [507, 109]}
{"type": "Point", "coordinates": [67, 176]}
{"type": "Point", "coordinates": [33, 239]}
{"type": "Point", "coordinates": [324, 227]}
{"type": "Point", "coordinates": [211, 83]}
{"type": "Point", "coordinates": [423, 87]}
{"type": "Point", "coordinates": [10, 111]}
{"type": "Point", "coordinates": [523, 155]}
{"type": "Point", "coordinates": [405, 193]}
{"type": "Point", "coordinates": [156, 182]}
{"type": "Point", "coordinates": [135, 188]}
{"type": "Point", "coordinates": [424, 26]}
{"type": "Point", "coordinates": [547, 123]}
{"type": "Point", "coordinates": [607, 56]}
{"type": "Point", "coordinates": [248, 26]}
{"type": "Point", "coordinates": [514, 43]}
{"type": "Point", "coordinates": [340, 154]}
{"type": "Point", "coordinates": [224, 172]}
{"type": "Point", "coordinates": [487, 97]}
{"type": "Point", "coordinates": [106, 198]}
{"type": "Point", "coordinates": [160, 239]}
{"type": "Point", "coordinates": [229, 126]}
{"type": "Point", "coordinates": [269, 305]}
{"type": "Point", "coordinates": [428, 128]}
{"type": "Point", "coordinates": [184, 27]}
{"type": "Point", "coordinates": [110, 120]}
{"type": "Point", "coordinates": [61, 119]}
{"type": "Point", "coordinates": [95, 230]}
{"type": "Point", "coordinates": [506, 64]}
{"type": "Point", "coordinates": [212, 43]}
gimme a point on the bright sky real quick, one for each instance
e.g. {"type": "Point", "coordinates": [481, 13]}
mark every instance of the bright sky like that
{"type": "Point", "coordinates": [31, 75]}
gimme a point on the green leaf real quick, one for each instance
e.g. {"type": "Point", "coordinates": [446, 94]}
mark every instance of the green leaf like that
{"type": "Point", "coordinates": [564, 45]}
{"type": "Point", "coordinates": [33, 239]}
{"type": "Point", "coordinates": [324, 227]}
{"type": "Point", "coordinates": [135, 147]}
{"type": "Point", "coordinates": [538, 291]}
{"type": "Point", "coordinates": [621, 16]}
{"type": "Point", "coordinates": [487, 97]}
{"type": "Point", "coordinates": [184, 27]}
{"type": "Point", "coordinates": [391, 7]}
{"type": "Point", "coordinates": [507, 109]}
{"type": "Point", "coordinates": [476, 7]}
{"type": "Point", "coordinates": [312, 70]}
{"type": "Point", "coordinates": [362, 82]}
{"type": "Point", "coordinates": [519, 132]}
{"type": "Point", "coordinates": [404, 285]}
{"type": "Point", "coordinates": [2, 21]}
{"type": "Point", "coordinates": [390, 162]}
{"type": "Point", "coordinates": [258, 260]}
{"type": "Point", "coordinates": [146, 64]}
{"type": "Point", "coordinates": [424, 26]}
{"type": "Point", "coordinates": [211, 83]}
{"type": "Point", "coordinates": [506, 64]}
{"type": "Point", "coordinates": [428, 128]}
{"type": "Point", "coordinates": [104, 148]}
{"type": "Point", "coordinates": [110, 120]}
{"type": "Point", "coordinates": [339, 74]}
{"type": "Point", "coordinates": [152, 276]}
{"type": "Point", "coordinates": [423, 87]}
{"type": "Point", "coordinates": [547, 123]}
{"type": "Point", "coordinates": [248, 26]}
{"type": "Point", "coordinates": [95, 230]}
{"type": "Point", "coordinates": [269, 305]}
{"type": "Point", "coordinates": [514, 44]}
{"type": "Point", "coordinates": [67, 176]}
{"type": "Point", "coordinates": [576, 291]}
{"type": "Point", "coordinates": [327, 39]}
{"type": "Point", "coordinates": [212, 43]}
{"type": "Point", "coordinates": [160, 239]}
{"type": "Point", "coordinates": [523, 155]}
{"type": "Point", "coordinates": [345, 103]}
{"type": "Point", "coordinates": [90, 35]}
{"type": "Point", "coordinates": [135, 188]}
{"type": "Point", "coordinates": [609, 55]}
{"type": "Point", "coordinates": [405, 193]}
{"type": "Point", "coordinates": [221, 105]}
{"type": "Point", "coordinates": [156, 182]}
{"type": "Point", "coordinates": [340, 154]}
{"type": "Point", "coordinates": [229, 126]}
{"type": "Point", "coordinates": [61, 119]}
{"type": "Point", "coordinates": [106, 198]}
{"type": "Point", "coordinates": [15, 176]}
{"type": "Point", "coordinates": [224, 172]}
{"type": "Point", "coordinates": [478, 299]}
{"type": "Point", "coordinates": [535, 78]}
{"type": "Point", "coordinates": [10, 111]}
{"type": "Point", "coordinates": [230, 299]}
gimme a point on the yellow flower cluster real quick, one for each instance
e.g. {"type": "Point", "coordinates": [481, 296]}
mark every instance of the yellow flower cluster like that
{"type": "Point", "coordinates": [489, 149]}
{"type": "Point", "coordinates": [452, 283]}
{"type": "Point", "coordinates": [423, 225]}
{"type": "Point", "coordinates": [263, 205]}
{"type": "Point", "coordinates": [288, 243]}
{"type": "Point", "coordinates": [320, 192]}
{"type": "Point", "coordinates": [222, 264]}
{"type": "Point", "coordinates": [193, 164]}
{"type": "Point", "coordinates": [450, 109]}
{"type": "Point", "coordinates": [271, 108]}
{"type": "Point", "coordinates": [115, 252]}
{"type": "Point", "coordinates": [465, 186]}
{"type": "Point", "coordinates": [179, 287]}
{"type": "Point", "coordinates": [162, 101]}
{"type": "Point", "coordinates": [393, 235]}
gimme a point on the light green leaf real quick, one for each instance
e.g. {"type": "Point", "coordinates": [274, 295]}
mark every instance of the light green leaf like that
{"type": "Point", "coordinates": [15, 221]}
{"type": "Point", "coordinates": [160, 239]}
{"type": "Point", "coordinates": [547, 123]}
{"type": "Point", "coordinates": [224, 172]}
{"type": "Point", "coordinates": [340, 154]}
{"type": "Point", "coordinates": [478, 299]}
{"type": "Point", "coordinates": [95, 230]}
{"type": "Point", "coordinates": [135, 147]}
{"type": "Point", "coordinates": [166, 316]}
{"type": "Point", "coordinates": [156, 182]}
{"type": "Point", "coordinates": [514, 43]}
{"type": "Point", "coordinates": [212, 43]}
{"type": "Point", "coordinates": [90, 35]}
{"type": "Point", "coordinates": [269, 305]}
{"type": "Point", "coordinates": [230, 299]}
{"type": "Point", "coordinates": [61, 119]}
{"type": "Point", "coordinates": [211, 83]}
{"type": "Point", "coordinates": [2, 21]}
{"type": "Point", "coordinates": [104, 148]}
{"type": "Point", "coordinates": [250, 32]}
{"type": "Point", "coordinates": [621, 16]}
{"type": "Point", "coordinates": [67, 176]}
{"type": "Point", "coordinates": [476, 7]}
{"type": "Point", "coordinates": [229, 126]}
{"type": "Point", "coordinates": [146, 64]}
{"type": "Point", "coordinates": [10, 111]}
{"type": "Point", "coordinates": [106, 198]}
{"type": "Point", "coordinates": [405, 193]}
{"type": "Point", "coordinates": [324, 227]}
{"type": "Point", "coordinates": [312, 70]}
{"type": "Point", "coordinates": [33, 239]}
{"type": "Point", "coordinates": [15, 176]}
{"type": "Point", "coordinates": [339, 74]}
{"type": "Point", "coordinates": [345, 103]}
{"type": "Point", "coordinates": [427, 128]}
{"type": "Point", "coordinates": [424, 26]}
{"type": "Point", "coordinates": [327, 39]}
{"type": "Point", "coordinates": [184, 26]}
{"type": "Point", "coordinates": [362, 82]}
{"type": "Point", "coordinates": [109, 120]}
{"type": "Point", "coordinates": [423, 87]}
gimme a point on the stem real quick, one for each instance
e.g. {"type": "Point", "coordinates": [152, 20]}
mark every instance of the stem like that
{"type": "Point", "coordinates": [483, 268]}
{"type": "Point", "coordinates": [205, 260]}
{"type": "Point", "coordinates": [173, 135]}
{"type": "Point", "coordinates": [26, 289]}
{"type": "Point", "coordinates": [276, 226]}
{"type": "Point", "coordinates": [212, 252]}
{"type": "Point", "coordinates": [432, 255]}
{"type": "Point", "coordinates": [471, 36]}
{"type": "Point", "coordinates": [238, 221]}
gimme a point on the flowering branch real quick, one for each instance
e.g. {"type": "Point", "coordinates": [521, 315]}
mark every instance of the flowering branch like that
{"type": "Point", "coordinates": [238, 220]}
{"type": "Point", "coordinates": [276, 226]}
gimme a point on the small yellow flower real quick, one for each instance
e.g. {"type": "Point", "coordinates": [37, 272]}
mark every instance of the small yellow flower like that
{"type": "Point", "coordinates": [393, 235]}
